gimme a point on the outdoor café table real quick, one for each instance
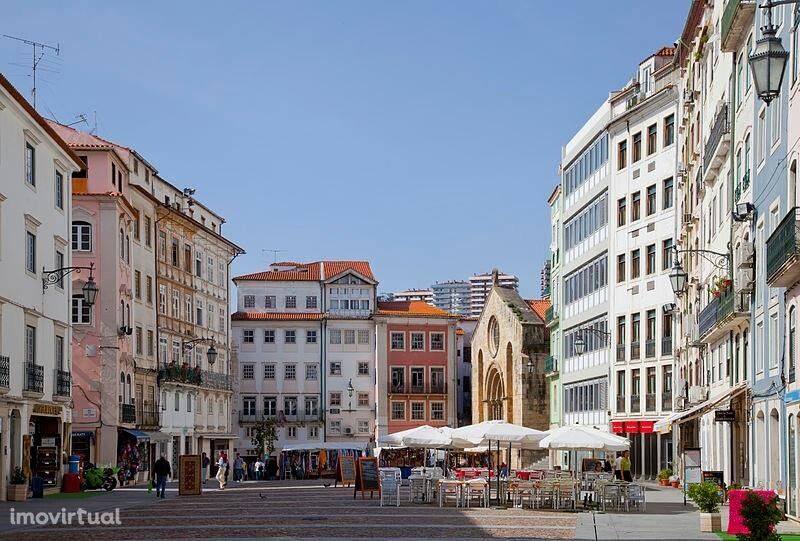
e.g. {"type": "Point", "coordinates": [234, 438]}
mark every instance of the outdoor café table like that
{"type": "Point", "coordinates": [419, 488]}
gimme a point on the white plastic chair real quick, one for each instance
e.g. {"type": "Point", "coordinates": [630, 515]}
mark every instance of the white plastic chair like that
{"type": "Point", "coordinates": [477, 489]}
{"type": "Point", "coordinates": [390, 487]}
{"type": "Point", "coordinates": [449, 490]}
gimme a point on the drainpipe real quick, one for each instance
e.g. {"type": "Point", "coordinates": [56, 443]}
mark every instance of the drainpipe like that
{"type": "Point", "coordinates": [323, 327]}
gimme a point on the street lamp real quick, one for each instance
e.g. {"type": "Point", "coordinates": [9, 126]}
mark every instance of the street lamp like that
{"type": "Point", "coordinates": [677, 278]}
{"type": "Point", "coordinates": [579, 344]}
{"type": "Point", "coordinates": [769, 58]}
{"type": "Point", "coordinates": [55, 276]}
{"type": "Point", "coordinates": [211, 354]}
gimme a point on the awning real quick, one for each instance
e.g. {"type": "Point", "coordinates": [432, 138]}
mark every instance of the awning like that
{"type": "Point", "coordinates": [138, 434]}
{"type": "Point", "coordinates": [158, 437]}
{"type": "Point", "coordinates": [665, 424]}
{"type": "Point", "coordinates": [618, 427]}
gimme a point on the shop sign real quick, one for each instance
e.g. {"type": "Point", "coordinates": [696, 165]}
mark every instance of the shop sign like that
{"type": "Point", "coordinates": [724, 416]}
{"type": "Point", "coordinates": [792, 396]}
{"type": "Point", "coordinates": [47, 409]}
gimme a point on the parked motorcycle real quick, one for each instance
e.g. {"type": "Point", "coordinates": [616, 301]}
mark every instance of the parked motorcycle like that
{"type": "Point", "coordinates": [109, 480]}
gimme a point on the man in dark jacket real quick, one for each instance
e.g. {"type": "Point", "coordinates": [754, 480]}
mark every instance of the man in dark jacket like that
{"type": "Point", "coordinates": [162, 470]}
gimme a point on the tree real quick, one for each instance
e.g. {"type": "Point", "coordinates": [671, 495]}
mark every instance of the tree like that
{"type": "Point", "coordinates": [264, 436]}
{"type": "Point", "coordinates": [760, 515]}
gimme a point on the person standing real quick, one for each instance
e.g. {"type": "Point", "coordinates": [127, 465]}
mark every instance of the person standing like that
{"type": "Point", "coordinates": [162, 470]}
{"type": "Point", "coordinates": [618, 467]}
{"type": "Point", "coordinates": [204, 464]}
{"type": "Point", "coordinates": [222, 468]}
{"type": "Point", "coordinates": [625, 466]}
{"type": "Point", "coordinates": [238, 468]}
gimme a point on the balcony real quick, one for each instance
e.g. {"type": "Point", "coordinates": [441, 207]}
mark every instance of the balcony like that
{"type": "Point", "coordinates": [349, 314]}
{"type": "Point", "coordinates": [620, 353]}
{"type": "Point", "coordinates": [783, 251]}
{"type": "Point", "coordinates": [650, 348]}
{"type": "Point", "coordinates": [550, 365]}
{"type": "Point", "coordinates": [147, 417]}
{"type": "Point", "coordinates": [708, 317]}
{"type": "Point", "coordinates": [724, 313]}
{"type": "Point", "coordinates": [737, 20]}
{"type": "Point", "coordinates": [621, 404]}
{"type": "Point", "coordinates": [63, 381]}
{"type": "Point", "coordinates": [5, 372]}
{"type": "Point", "coordinates": [215, 380]}
{"type": "Point", "coordinates": [34, 378]}
{"type": "Point", "coordinates": [551, 317]}
{"type": "Point", "coordinates": [666, 346]}
{"type": "Point", "coordinates": [180, 374]}
{"type": "Point", "coordinates": [636, 353]}
{"type": "Point", "coordinates": [127, 413]}
{"type": "Point", "coordinates": [635, 403]}
{"type": "Point", "coordinates": [741, 187]}
{"type": "Point", "coordinates": [650, 402]}
{"type": "Point", "coordinates": [717, 145]}
{"type": "Point", "coordinates": [666, 401]}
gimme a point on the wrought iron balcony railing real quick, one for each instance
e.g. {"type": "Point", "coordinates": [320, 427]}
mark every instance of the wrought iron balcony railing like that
{"type": "Point", "coordinates": [635, 403]}
{"type": "Point", "coordinates": [783, 251]}
{"type": "Point", "coordinates": [5, 372]}
{"type": "Point", "coordinates": [650, 348]}
{"type": "Point", "coordinates": [34, 378]}
{"type": "Point", "coordinates": [63, 380]}
{"type": "Point", "coordinates": [620, 404]}
{"type": "Point", "coordinates": [666, 401]}
{"type": "Point", "coordinates": [666, 346]}
{"type": "Point", "coordinates": [550, 365]}
{"type": "Point", "coordinates": [635, 351]}
{"type": "Point", "coordinates": [127, 413]}
{"type": "Point", "coordinates": [620, 353]}
{"type": "Point", "coordinates": [716, 145]}
{"type": "Point", "coordinates": [650, 402]}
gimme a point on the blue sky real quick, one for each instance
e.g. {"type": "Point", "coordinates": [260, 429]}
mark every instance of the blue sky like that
{"type": "Point", "coordinates": [423, 136]}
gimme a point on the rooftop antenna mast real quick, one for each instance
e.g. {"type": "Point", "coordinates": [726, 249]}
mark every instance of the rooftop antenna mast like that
{"type": "Point", "coordinates": [274, 253]}
{"type": "Point", "coordinates": [39, 50]}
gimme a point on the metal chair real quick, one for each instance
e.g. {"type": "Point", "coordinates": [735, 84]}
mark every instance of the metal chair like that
{"type": "Point", "coordinates": [611, 493]}
{"type": "Point", "coordinates": [390, 487]}
{"type": "Point", "coordinates": [635, 496]}
{"type": "Point", "coordinates": [566, 493]}
{"type": "Point", "coordinates": [477, 489]}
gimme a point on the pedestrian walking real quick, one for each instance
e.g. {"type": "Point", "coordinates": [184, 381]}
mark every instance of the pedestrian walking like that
{"type": "Point", "coordinates": [162, 470]}
{"type": "Point", "coordinates": [204, 465]}
{"type": "Point", "coordinates": [222, 469]}
{"type": "Point", "coordinates": [238, 469]}
{"type": "Point", "coordinates": [259, 469]}
{"type": "Point", "coordinates": [625, 466]}
{"type": "Point", "coordinates": [618, 467]}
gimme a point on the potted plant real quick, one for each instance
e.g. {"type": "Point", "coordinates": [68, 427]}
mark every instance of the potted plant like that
{"type": "Point", "coordinates": [760, 515]}
{"type": "Point", "coordinates": [706, 496]}
{"type": "Point", "coordinates": [17, 486]}
{"type": "Point", "coordinates": [674, 482]}
{"type": "Point", "coordinates": [663, 477]}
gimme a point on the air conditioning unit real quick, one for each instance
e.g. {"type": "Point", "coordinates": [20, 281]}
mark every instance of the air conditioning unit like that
{"type": "Point", "coordinates": [334, 411]}
{"type": "Point", "coordinates": [744, 280]}
{"type": "Point", "coordinates": [348, 431]}
{"type": "Point", "coordinates": [744, 255]}
{"type": "Point", "coordinates": [697, 393]}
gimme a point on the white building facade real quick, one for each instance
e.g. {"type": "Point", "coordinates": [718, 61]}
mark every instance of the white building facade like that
{"type": "Point", "coordinates": [481, 284]}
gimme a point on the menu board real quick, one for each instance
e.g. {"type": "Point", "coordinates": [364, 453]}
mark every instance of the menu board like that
{"type": "Point", "coordinates": [367, 477]}
{"type": "Point", "coordinates": [189, 482]}
{"type": "Point", "coordinates": [345, 471]}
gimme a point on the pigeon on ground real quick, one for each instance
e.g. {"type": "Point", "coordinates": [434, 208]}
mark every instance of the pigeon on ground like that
{"type": "Point", "coordinates": [326, 485]}
{"type": "Point", "coordinates": [261, 496]}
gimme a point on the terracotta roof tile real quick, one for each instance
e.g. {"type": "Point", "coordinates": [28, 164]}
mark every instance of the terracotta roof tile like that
{"type": "Point", "coordinates": [410, 308]}
{"type": "Point", "coordinates": [332, 268]}
{"type": "Point", "coordinates": [309, 271]}
{"type": "Point", "coordinates": [539, 306]}
{"type": "Point", "coordinates": [276, 316]}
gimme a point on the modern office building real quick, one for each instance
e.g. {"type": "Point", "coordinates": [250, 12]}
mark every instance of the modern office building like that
{"type": "Point", "coordinates": [481, 284]}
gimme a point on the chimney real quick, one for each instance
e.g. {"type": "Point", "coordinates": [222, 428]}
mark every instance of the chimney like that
{"type": "Point", "coordinates": [495, 277]}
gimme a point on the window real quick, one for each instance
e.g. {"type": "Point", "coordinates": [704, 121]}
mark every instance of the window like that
{"type": "Point", "coordinates": [669, 129]}
{"type": "Point", "coordinates": [398, 411]}
{"type": "Point", "coordinates": [311, 337]}
{"type": "Point", "coordinates": [437, 341]}
{"type": "Point", "coordinates": [651, 259]}
{"type": "Point", "coordinates": [178, 401]}
{"type": "Point", "coordinates": [248, 371]}
{"type": "Point", "coordinates": [81, 236]}
{"type": "Point", "coordinates": [269, 301]}
{"type": "Point", "coordinates": [637, 147]}
{"type": "Point", "coordinates": [290, 405]}
{"type": "Point", "coordinates": [335, 368]}
{"type": "Point", "coordinates": [30, 344]}
{"type": "Point", "coordinates": [586, 222]}
{"type": "Point", "coordinates": [363, 400]}
{"type": "Point", "coordinates": [289, 337]}
{"type": "Point", "coordinates": [417, 340]}
{"type": "Point", "coordinates": [59, 188]}
{"type": "Point", "coordinates": [30, 164]}
{"type": "Point", "coordinates": [139, 340]}
{"type": "Point", "coordinates": [60, 265]}
{"type": "Point", "coordinates": [311, 406]}
{"type": "Point", "coordinates": [417, 379]}
{"type": "Point", "coordinates": [774, 122]}
{"type": "Point", "coordinates": [761, 150]}
{"type": "Point", "coordinates": [418, 411]}
{"type": "Point", "coordinates": [149, 288]}
{"type": "Point", "coordinates": [792, 361]}
{"type": "Point", "coordinates": [651, 200]}
{"type": "Point", "coordinates": [30, 252]}
{"type": "Point", "coordinates": [635, 327]}
{"type": "Point", "coordinates": [162, 245]}
{"type": "Point", "coordinates": [311, 372]}
{"type": "Point", "coordinates": [174, 256]}
{"type": "Point", "coordinates": [249, 301]}
{"type": "Point", "coordinates": [636, 206]}
{"type": "Point", "coordinates": [363, 368]}
{"type": "Point", "coordinates": [621, 210]}
{"type": "Point", "coordinates": [622, 155]}
{"type": "Point", "coordinates": [635, 264]}
{"type": "Point", "coordinates": [290, 301]}
{"type": "Point", "coordinates": [248, 405]}
{"type": "Point", "coordinates": [290, 372]}
{"type": "Point", "coordinates": [398, 378]}
{"type": "Point", "coordinates": [621, 337]}
{"type": "Point", "coordinates": [336, 427]}
{"type": "Point", "coordinates": [137, 284]}
{"type": "Point", "coordinates": [668, 194]}
{"type": "Point", "coordinates": [150, 343]}
{"type": "Point", "coordinates": [336, 399]}
{"type": "Point", "coordinates": [437, 411]}
{"type": "Point", "coordinates": [349, 336]}
{"type": "Point", "coordinates": [620, 268]}
{"type": "Point", "coordinates": [249, 335]}
{"type": "Point", "coordinates": [311, 301]}
{"type": "Point", "coordinates": [148, 225]}
{"type": "Point", "coordinates": [398, 340]}
{"type": "Point", "coordinates": [336, 336]}
{"type": "Point", "coordinates": [363, 336]}
{"type": "Point", "coordinates": [363, 426]}
{"type": "Point", "coordinates": [666, 254]}
{"type": "Point", "coordinates": [652, 139]}
{"type": "Point", "coordinates": [270, 406]}
{"type": "Point", "coordinates": [269, 370]}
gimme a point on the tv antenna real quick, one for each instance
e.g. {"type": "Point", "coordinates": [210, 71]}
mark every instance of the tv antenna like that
{"type": "Point", "coordinates": [39, 50]}
{"type": "Point", "coordinates": [274, 253]}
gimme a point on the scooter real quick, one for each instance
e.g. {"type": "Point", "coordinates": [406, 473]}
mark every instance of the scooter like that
{"type": "Point", "coordinates": [109, 480]}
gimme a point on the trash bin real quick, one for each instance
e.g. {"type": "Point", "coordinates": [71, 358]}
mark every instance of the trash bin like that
{"type": "Point", "coordinates": [74, 464]}
{"type": "Point", "coordinates": [37, 486]}
{"type": "Point", "coordinates": [72, 483]}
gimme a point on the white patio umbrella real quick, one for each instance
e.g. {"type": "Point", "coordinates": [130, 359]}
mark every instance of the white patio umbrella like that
{"type": "Point", "coordinates": [583, 438]}
{"type": "Point", "coordinates": [420, 436]}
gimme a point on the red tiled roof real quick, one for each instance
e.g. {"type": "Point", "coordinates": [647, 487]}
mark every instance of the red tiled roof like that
{"type": "Point", "coordinates": [310, 271]}
{"type": "Point", "coordinates": [539, 306]}
{"type": "Point", "coordinates": [276, 316]}
{"type": "Point", "coordinates": [410, 308]}
{"type": "Point", "coordinates": [86, 141]}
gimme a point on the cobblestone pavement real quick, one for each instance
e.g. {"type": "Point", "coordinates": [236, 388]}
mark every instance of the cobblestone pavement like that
{"type": "Point", "coordinates": [299, 511]}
